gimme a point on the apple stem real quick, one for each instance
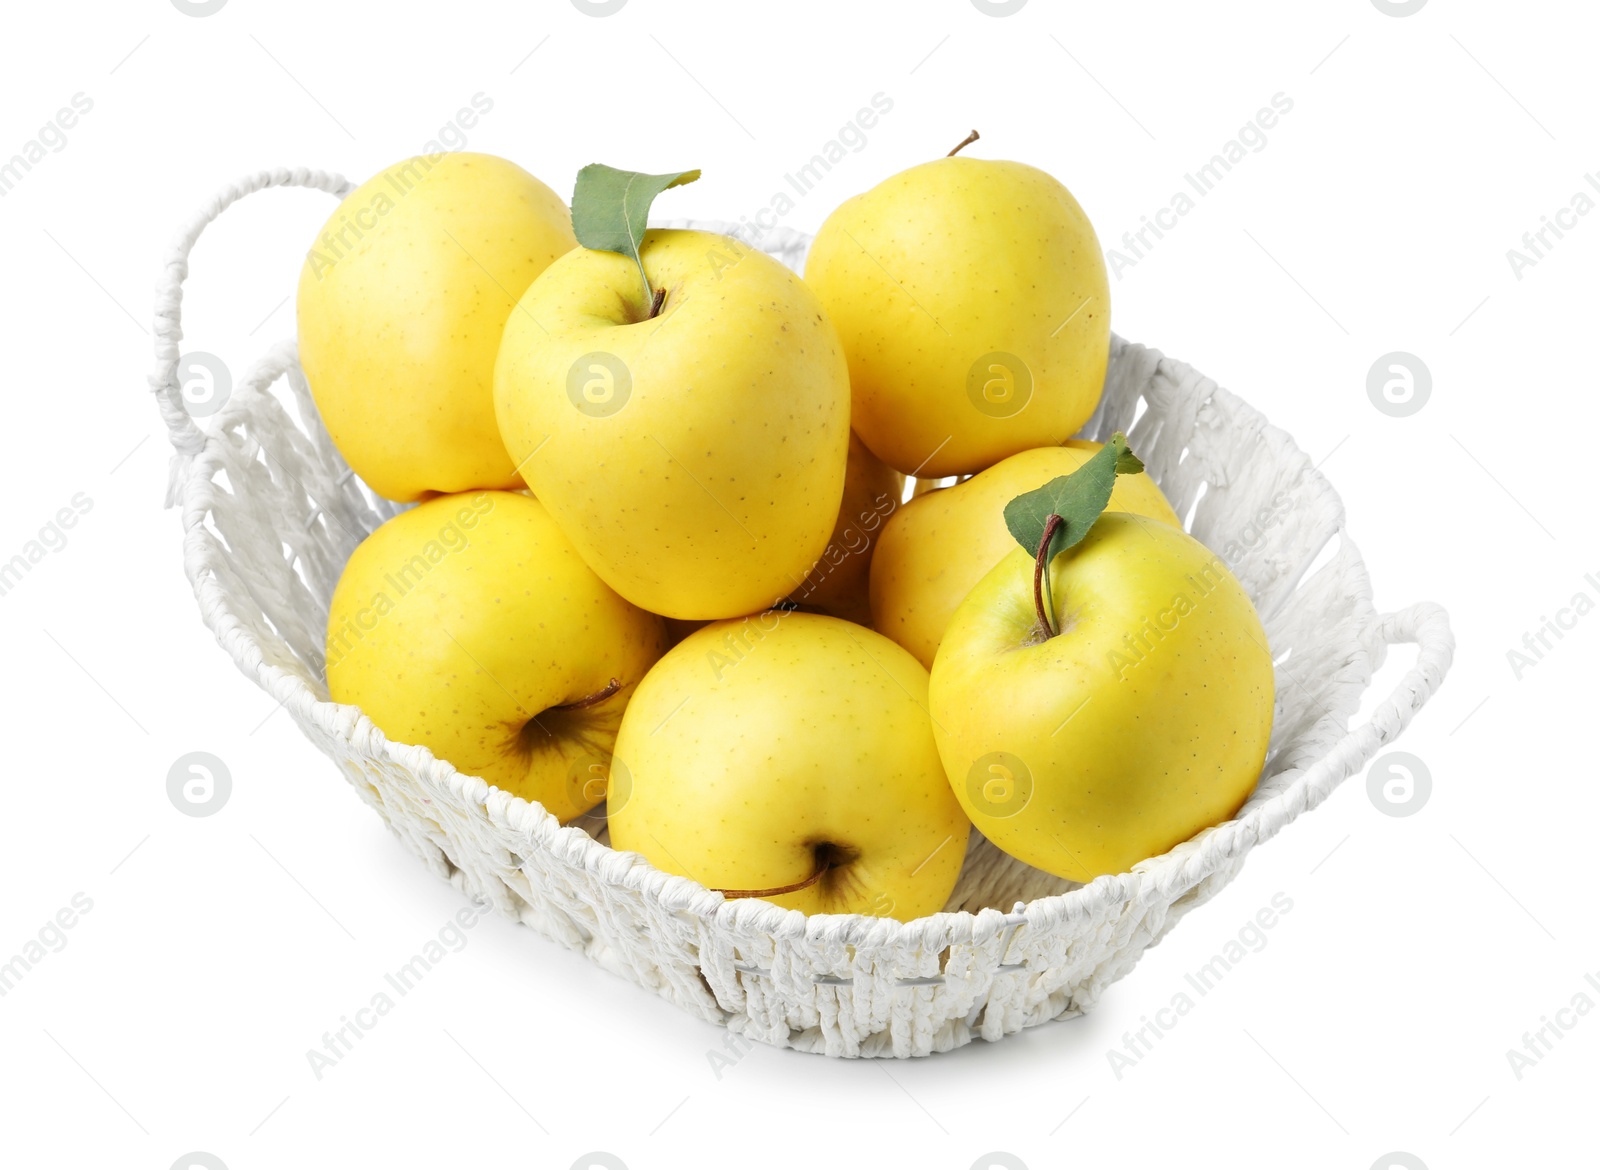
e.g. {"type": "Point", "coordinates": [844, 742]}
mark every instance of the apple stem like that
{"type": "Point", "coordinates": [1040, 563]}
{"type": "Point", "coordinates": [652, 297]}
{"type": "Point", "coordinates": [967, 141]}
{"type": "Point", "coordinates": [775, 891]}
{"type": "Point", "coordinates": [599, 696]}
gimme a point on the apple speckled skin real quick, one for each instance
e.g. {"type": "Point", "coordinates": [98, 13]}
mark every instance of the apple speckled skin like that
{"type": "Point", "coordinates": [972, 301]}
{"type": "Point", "coordinates": [1144, 721]}
{"type": "Point", "coordinates": [938, 546]}
{"type": "Point", "coordinates": [467, 624]}
{"type": "Point", "coordinates": [402, 301]}
{"type": "Point", "coordinates": [837, 583]}
{"type": "Point", "coordinates": [754, 747]}
{"type": "Point", "coordinates": [696, 459]}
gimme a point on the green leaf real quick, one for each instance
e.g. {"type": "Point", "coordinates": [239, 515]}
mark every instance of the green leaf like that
{"type": "Point", "coordinates": [1078, 499]}
{"type": "Point", "coordinates": [610, 208]}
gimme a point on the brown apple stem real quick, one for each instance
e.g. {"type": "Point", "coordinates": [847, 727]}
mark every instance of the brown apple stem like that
{"type": "Point", "coordinates": [599, 696]}
{"type": "Point", "coordinates": [967, 141]}
{"type": "Point", "coordinates": [1040, 563]}
{"type": "Point", "coordinates": [777, 890]}
{"type": "Point", "coordinates": [656, 302]}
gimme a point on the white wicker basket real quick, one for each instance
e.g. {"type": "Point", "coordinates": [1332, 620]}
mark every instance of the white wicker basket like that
{"type": "Point", "coordinates": [264, 548]}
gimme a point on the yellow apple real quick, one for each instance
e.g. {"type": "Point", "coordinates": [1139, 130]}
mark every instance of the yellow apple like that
{"type": "Point", "coordinates": [972, 301]}
{"type": "Point", "coordinates": [471, 626]}
{"type": "Point", "coordinates": [697, 458]}
{"type": "Point", "coordinates": [1144, 721]}
{"type": "Point", "coordinates": [837, 583]}
{"type": "Point", "coordinates": [942, 543]}
{"type": "Point", "coordinates": [403, 298]}
{"type": "Point", "coordinates": [790, 751]}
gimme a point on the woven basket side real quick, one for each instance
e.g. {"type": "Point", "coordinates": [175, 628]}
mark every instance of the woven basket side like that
{"type": "Point", "coordinates": [764, 978]}
{"type": "Point", "coordinates": [271, 514]}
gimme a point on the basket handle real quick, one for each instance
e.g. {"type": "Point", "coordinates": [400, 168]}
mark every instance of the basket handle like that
{"type": "Point", "coordinates": [188, 440]}
{"type": "Point", "coordinates": [1427, 626]}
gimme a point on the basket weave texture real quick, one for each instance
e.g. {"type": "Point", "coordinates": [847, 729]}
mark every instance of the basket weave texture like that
{"type": "Point", "coordinates": [271, 512]}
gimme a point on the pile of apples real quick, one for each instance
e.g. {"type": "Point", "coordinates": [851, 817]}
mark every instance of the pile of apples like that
{"type": "Point", "coordinates": [663, 556]}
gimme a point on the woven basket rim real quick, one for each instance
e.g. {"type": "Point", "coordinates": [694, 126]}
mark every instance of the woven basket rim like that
{"type": "Point", "coordinates": [199, 457]}
{"type": "Point", "coordinates": [530, 819]}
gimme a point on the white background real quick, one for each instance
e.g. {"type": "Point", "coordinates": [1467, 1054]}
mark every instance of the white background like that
{"type": "Point", "coordinates": [1378, 217]}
